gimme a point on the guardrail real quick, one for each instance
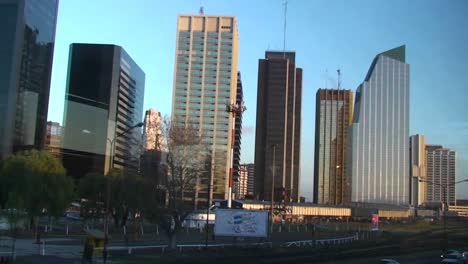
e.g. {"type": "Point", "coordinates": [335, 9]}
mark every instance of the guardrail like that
{"type": "Point", "coordinates": [131, 248]}
{"type": "Point", "coordinates": [316, 242]}
{"type": "Point", "coordinates": [199, 246]}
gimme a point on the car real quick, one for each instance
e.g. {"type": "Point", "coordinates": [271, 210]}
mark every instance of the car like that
{"type": "Point", "coordinates": [452, 258]}
{"type": "Point", "coordinates": [451, 251]}
{"type": "Point", "coordinates": [389, 261]}
{"type": "Point", "coordinates": [465, 257]}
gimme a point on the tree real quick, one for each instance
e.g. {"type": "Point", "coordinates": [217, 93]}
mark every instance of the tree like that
{"type": "Point", "coordinates": [91, 191]}
{"type": "Point", "coordinates": [185, 166]}
{"type": "Point", "coordinates": [38, 180]}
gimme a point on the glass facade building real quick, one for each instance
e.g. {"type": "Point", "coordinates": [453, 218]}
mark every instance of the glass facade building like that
{"type": "Point", "coordinates": [205, 81]}
{"type": "Point", "coordinates": [279, 103]}
{"type": "Point", "coordinates": [333, 117]}
{"type": "Point", "coordinates": [380, 132]}
{"type": "Point", "coordinates": [104, 97]}
{"type": "Point", "coordinates": [26, 51]}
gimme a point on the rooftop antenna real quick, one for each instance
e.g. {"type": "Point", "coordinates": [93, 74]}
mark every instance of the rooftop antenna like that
{"type": "Point", "coordinates": [201, 11]}
{"type": "Point", "coordinates": [285, 4]}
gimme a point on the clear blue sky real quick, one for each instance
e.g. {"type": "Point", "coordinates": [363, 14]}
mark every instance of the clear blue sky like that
{"type": "Point", "coordinates": [326, 35]}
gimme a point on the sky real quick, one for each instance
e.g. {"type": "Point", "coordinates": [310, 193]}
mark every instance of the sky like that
{"type": "Point", "coordinates": [325, 34]}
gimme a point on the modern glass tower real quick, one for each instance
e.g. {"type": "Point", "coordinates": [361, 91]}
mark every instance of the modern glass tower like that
{"type": "Point", "coordinates": [205, 80]}
{"type": "Point", "coordinates": [278, 129]}
{"type": "Point", "coordinates": [333, 117]}
{"type": "Point", "coordinates": [380, 132]}
{"type": "Point", "coordinates": [104, 98]}
{"type": "Point", "coordinates": [26, 49]}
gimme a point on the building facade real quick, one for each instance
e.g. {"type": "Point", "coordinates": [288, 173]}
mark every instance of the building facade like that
{"type": "Point", "coordinates": [440, 173]}
{"type": "Point", "coordinates": [379, 155]}
{"type": "Point", "coordinates": [152, 130]}
{"type": "Point", "coordinates": [246, 181]}
{"type": "Point", "coordinates": [417, 170]}
{"type": "Point", "coordinates": [333, 117]}
{"type": "Point", "coordinates": [153, 145]}
{"type": "Point", "coordinates": [278, 128]}
{"type": "Point", "coordinates": [238, 135]}
{"type": "Point", "coordinates": [26, 51]}
{"type": "Point", "coordinates": [105, 86]}
{"type": "Point", "coordinates": [205, 81]}
{"type": "Point", "coordinates": [53, 138]}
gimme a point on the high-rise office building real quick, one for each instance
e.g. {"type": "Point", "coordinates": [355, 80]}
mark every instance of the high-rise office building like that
{"type": "Point", "coordinates": [246, 181]}
{"type": "Point", "coordinates": [333, 117]}
{"type": "Point", "coordinates": [205, 80]}
{"type": "Point", "coordinates": [238, 131]}
{"type": "Point", "coordinates": [440, 173]}
{"type": "Point", "coordinates": [26, 51]}
{"type": "Point", "coordinates": [153, 145]}
{"type": "Point", "coordinates": [380, 132]}
{"type": "Point", "coordinates": [278, 129]}
{"type": "Point", "coordinates": [53, 138]}
{"type": "Point", "coordinates": [152, 130]}
{"type": "Point", "coordinates": [103, 100]}
{"type": "Point", "coordinates": [417, 170]}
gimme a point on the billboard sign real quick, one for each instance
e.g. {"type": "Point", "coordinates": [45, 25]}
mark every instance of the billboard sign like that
{"type": "Point", "coordinates": [241, 223]}
{"type": "Point", "coordinates": [375, 222]}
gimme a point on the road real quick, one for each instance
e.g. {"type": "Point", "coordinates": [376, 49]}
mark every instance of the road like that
{"type": "Point", "coordinates": [428, 257]}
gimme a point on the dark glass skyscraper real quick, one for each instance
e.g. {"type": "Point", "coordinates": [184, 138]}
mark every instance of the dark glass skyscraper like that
{"type": "Point", "coordinates": [238, 133]}
{"type": "Point", "coordinates": [333, 117]}
{"type": "Point", "coordinates": [278, 130]}
{"type": "Point", "coordinates": [104, 97]}
{"type": "Point", "coordinates": [27, 29]}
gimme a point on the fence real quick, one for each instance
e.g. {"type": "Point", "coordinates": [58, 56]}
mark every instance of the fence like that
{"type": "Point", "coordinates": [323, 242]}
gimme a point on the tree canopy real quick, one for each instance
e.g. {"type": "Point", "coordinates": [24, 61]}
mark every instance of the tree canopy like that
{"type": "Point", "coordinates": [36, 181]}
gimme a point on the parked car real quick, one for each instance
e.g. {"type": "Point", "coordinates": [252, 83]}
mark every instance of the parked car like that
{"type": "Point", "coordinates": [452, 258]}
{"type": "Point", "coordinates": [450, 251]}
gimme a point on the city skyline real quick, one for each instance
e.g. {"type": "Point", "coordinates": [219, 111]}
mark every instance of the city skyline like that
{"type": "Point", "coordinates": [323, 51]}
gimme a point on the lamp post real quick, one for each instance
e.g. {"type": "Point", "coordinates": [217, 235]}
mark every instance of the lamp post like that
{"type": "Point", "coordinates": [108, 188]}
{"type": "Point", "coordinates": [444, 188]}
{"type": "Point", "coordinates": [273, 185]}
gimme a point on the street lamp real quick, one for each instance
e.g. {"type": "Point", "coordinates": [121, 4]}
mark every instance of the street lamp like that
{"type": "Point", "coordinates": [444, 188]}
{"type": "Point", "coordinates": [108, 189]}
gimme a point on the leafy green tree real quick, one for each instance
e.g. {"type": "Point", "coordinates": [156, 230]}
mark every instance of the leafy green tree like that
{"type": "Point", "coordinates": [92, 188]}
{"type": "Point", "coordinates": [39, 179]}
